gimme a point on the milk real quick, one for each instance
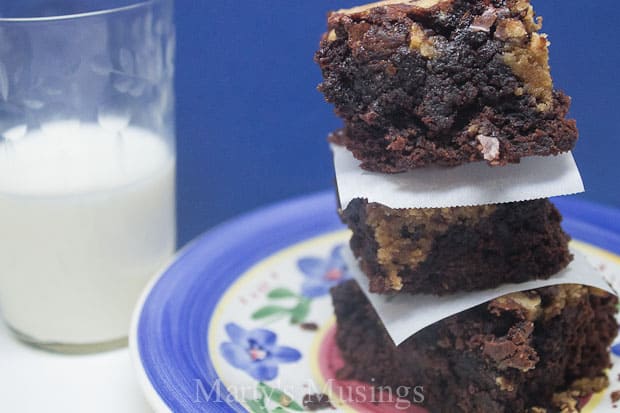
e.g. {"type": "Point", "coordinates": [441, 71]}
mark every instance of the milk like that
{"type": "Point", "coordinates": [87, 216]}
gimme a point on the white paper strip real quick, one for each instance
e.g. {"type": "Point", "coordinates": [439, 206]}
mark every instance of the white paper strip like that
{"type": "Point", "coordinates": [466, 185]}
{"type": "Point", "coordinates": [404, 314]}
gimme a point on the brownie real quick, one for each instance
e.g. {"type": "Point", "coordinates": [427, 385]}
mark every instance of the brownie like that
{"type": "Point", "coordinates": [537, 351]}
{"type": "Point", "coordinates": [447, 250]}
{"type": "Point", "coordinates": [444, 82]}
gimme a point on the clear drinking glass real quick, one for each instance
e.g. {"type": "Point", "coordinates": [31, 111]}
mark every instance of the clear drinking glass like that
{"type": "Point", "coordinates": [87, 165]}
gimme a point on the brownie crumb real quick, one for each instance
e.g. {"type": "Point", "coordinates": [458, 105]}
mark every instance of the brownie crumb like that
{"type": "Point", "coordinates": [309, 326]}
{"type": "Point", "coordinates": [615, 396]}
{"type": "Point", "coordinates": [315, 402]}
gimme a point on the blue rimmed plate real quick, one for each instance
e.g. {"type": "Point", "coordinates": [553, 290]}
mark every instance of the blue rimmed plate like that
{"type": "Point", "coordinates": [244, 311]}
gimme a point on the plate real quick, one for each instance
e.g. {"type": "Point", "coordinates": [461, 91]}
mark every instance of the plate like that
{"type": "Point", "coordinates": [245, 311]}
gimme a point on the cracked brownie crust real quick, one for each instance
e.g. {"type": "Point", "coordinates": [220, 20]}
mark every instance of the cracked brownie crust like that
{"type": "Point", "coordinates": [443, 82]}
{"type": "Point", "coordinates": [537, 351]}
{"type": "Point", "coordinates": [448, 250]}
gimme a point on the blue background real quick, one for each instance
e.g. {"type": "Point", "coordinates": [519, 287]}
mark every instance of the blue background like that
{"type": "Point", "coordinates": [252, 127]}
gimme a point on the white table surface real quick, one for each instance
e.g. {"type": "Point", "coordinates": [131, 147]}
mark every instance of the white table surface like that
{"type": "Point", "coordinates": [34, 381]}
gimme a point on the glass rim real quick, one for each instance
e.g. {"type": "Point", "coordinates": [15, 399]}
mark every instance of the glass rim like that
{"type": "Point", "coordinates": [94, 13]}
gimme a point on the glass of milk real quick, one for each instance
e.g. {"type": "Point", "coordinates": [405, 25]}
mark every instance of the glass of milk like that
{"type": "Point", "coordinates": [87, 165]}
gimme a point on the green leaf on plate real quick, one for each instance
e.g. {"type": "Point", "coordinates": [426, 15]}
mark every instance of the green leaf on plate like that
{"type": "Point", "coordinates": [269, 311]}
{"type": "Point", "coordinates": [280, 293]}
{"type": "Point", "coordinates": [300, 312]}
{"type": "Point", "coordinates": [279, 397]}
{"type": "Point", "coordinates": [279, 410]}
{"type": "Point", "coordinates": [257, 406]}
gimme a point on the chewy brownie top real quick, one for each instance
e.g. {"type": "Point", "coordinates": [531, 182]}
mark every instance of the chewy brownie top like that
{"type": "Point", "coordinates": [443, 82]}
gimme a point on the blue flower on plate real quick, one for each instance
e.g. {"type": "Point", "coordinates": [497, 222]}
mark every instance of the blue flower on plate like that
{"type": "Point", "coordinates": [615, 349]}
{"type": "Point", "coordinates": [256, 352]}
{"type": "Point", "coordinates": [321, 275]}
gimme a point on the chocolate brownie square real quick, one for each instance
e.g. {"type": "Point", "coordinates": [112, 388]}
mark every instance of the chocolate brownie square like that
{"type": "Point", "coordinates": [446, 250]}
{"type": "Point", "coordinates": [536, 351]}
{"type": "Point", "coordinates": [445, 82]}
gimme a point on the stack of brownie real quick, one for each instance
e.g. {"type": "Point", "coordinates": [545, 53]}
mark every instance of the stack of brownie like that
{"type": "Point", "coordinates": [448, 82]}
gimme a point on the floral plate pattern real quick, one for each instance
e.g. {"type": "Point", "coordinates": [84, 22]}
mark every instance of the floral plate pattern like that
{"type": "Point", "coordinates": [242, 320]}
